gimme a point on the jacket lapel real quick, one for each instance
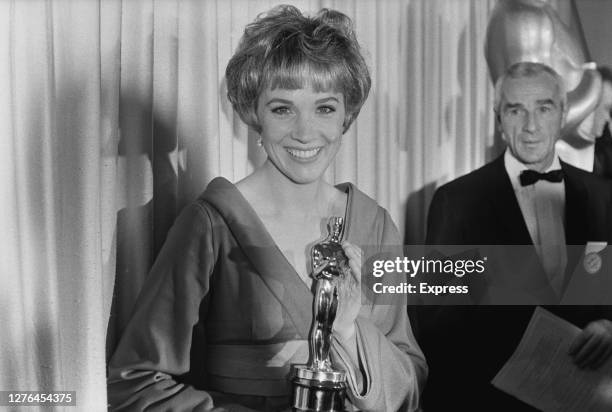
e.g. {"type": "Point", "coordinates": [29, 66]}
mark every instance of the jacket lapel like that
{"type": "Point", "coordinates": [576, 201]}
{"type": "Point", "coordinates": [513, 229]}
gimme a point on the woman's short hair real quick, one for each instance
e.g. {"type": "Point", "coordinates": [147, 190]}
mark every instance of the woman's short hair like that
{"type": "Point", "coordinates": [528, 69]}
{"type": "Point", "coordinates": [283, 48]}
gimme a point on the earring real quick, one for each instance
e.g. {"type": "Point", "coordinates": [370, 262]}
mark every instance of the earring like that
{"type": "Point", "coordinates": [259, 141]}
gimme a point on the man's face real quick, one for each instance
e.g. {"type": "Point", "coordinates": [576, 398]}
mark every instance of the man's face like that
{"type": "Point", "coordinates": [602, 112]}
{"type": "Point", "coordinates": [531, 115]}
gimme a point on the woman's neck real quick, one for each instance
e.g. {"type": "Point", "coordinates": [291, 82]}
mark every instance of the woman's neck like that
{"type": "Point", "coordinates": [285, 197]}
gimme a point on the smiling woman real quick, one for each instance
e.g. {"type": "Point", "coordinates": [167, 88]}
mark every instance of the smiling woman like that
{"type": "Point", "coordinates": [301, 131]}
{"type": "Point", "coordinates": [227, 307]}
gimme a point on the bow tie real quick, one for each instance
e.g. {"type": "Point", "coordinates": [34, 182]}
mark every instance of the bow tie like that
{"type": "Point", "coordinates": [529, 177]}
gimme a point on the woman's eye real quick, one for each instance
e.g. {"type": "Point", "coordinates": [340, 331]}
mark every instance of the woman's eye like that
{"type": "Point", "coordinates": [326, 109]}
{"type": "Point", "coordinates": [282, 110]}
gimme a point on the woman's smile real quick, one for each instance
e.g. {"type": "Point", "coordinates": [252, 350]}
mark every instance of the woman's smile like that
{"type": "Point", "coordinates": [304, 154]}
{"type": "Point", "coordinates": [301, 130]}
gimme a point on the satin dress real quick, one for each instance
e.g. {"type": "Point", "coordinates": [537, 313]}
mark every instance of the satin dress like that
{"type": "Point", "coordinates": [223, 316]}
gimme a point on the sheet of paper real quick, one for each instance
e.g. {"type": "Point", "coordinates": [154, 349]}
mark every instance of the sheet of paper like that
{"type": "Point", "coordinates": [541, 373]}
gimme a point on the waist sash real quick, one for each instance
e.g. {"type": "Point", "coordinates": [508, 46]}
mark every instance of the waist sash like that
{"type": "Point", "coordinates": [254, 369]}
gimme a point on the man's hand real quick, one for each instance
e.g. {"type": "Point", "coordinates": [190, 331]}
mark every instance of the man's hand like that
{"type": "Point", "coordinates": [593, 346]}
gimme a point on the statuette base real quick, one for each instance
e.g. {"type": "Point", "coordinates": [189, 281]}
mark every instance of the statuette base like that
{"type": "Point", "coordinates": [318, 391]}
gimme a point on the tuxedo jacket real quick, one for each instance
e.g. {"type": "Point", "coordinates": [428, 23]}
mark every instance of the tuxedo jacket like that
{"type": "Point", "coordinates": [465, 346]}
{"type": "Point", "coordinates": [602, 163]}
{"type": "Point", "coordinates": [481, 208]}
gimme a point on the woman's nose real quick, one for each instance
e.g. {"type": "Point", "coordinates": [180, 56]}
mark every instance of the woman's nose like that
{"type": "Point", "coordinates": [304, 128]}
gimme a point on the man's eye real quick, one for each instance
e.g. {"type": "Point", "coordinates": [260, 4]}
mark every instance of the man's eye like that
{"type": "Point", "coordinates": [545, 109]}
{"type": "Point", "coordinates": [514, 112]}
{"type": "Point", "coordinates": [282, 110]}
{"type": "Point", "coordinates": [326, 109]}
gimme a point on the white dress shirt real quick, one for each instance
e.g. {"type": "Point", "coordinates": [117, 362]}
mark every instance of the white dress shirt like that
{"type": "Point", "coordinates": [543, 207]}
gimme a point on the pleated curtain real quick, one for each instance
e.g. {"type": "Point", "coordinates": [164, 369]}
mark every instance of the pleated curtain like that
{"type": "Point", "coordinates": [113, 116]}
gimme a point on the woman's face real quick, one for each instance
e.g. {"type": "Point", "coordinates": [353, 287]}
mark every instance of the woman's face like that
{"type": "Point", "coordinates": [301, 130]}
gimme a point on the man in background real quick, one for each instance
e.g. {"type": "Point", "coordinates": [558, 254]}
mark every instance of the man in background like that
{"type": "Point", "coordinates": [527, 196]}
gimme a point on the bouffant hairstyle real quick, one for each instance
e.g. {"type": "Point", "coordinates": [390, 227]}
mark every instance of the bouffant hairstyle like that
{"type": "Point", "coordinates": [285, 49]}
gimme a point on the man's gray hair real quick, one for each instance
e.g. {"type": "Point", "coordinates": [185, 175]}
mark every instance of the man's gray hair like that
{"type": "Point", "coordinates": [528, 69]}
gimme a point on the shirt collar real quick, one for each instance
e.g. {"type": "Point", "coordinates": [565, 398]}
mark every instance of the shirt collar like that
{"type": "Point", "coordinates": [514, 167]}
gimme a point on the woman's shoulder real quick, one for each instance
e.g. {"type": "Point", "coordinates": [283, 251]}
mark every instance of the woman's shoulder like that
{"type": "Point", "coordinates": [223, 202]}
{"type": "Point", "coordinates": [211, 204]}
{"type": "Point", "coordinates": [220, 194]}
{"type": "Point", "coordinates": [367, 219]}
{"type": "Point", "coordinates": [361, 203]}
{"type": "Point", "coordinates": [217, 187]}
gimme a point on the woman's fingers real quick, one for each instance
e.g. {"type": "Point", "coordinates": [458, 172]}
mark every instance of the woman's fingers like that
{"type": "Point", "coordinates": [354, 254]}
{"type": "Point", "coordinates": [351, 250]}
{"type": "Point", "coordinates": [349, 293]}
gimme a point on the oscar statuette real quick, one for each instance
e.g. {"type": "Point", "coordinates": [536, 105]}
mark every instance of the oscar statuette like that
{"type": "Point", "coordinates": [317, 386]}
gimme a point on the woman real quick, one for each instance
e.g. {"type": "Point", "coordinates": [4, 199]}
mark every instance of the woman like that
{"type": "Point", "coordinates": [228, 305]}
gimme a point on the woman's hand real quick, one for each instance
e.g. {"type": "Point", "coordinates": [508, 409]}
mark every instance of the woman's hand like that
{"type": "Point", "coordinates": [349, 295]}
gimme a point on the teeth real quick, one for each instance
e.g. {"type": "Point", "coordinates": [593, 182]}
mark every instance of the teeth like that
{"type": "Point", "coordinates": [303, 154]}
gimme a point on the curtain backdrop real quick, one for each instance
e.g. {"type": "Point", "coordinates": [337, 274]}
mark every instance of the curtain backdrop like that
{"type": "Point", "coordinates": [113, 116]}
